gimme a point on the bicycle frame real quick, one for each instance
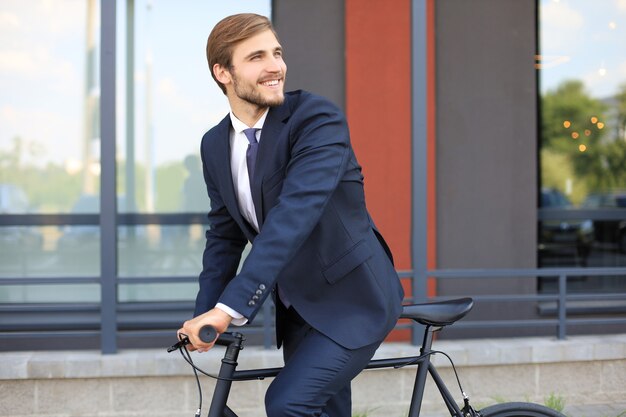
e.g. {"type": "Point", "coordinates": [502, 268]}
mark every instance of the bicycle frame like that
{"type": "Point", "coordinates": [234, 342]}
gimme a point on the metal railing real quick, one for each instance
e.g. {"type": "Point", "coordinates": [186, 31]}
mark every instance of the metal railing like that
{"type": "Point", "coordinates": [561, 296]}
{"type": "Point", "coordinates": [168, 316]}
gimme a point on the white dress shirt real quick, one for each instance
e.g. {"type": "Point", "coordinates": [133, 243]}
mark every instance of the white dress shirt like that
{"type": "Point", "coordinates": [239, 166]}
{"type": "Point", "coordinates": [239, 170]}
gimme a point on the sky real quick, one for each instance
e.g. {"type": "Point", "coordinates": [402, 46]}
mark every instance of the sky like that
{"type": "Point", "coordinates": [43, 73]}
{"type": "Point", "coordinates": [585, 40]}
{"type": "Point", "coordinates": [43, 69]}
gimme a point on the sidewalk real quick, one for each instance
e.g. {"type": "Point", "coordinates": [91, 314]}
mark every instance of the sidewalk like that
{"type": "Point", "coordinates": [587, 372]}
{"type": "Point", "coordinates": [589, 410]}
{"type": "Point", "coordinates": [597, 410]}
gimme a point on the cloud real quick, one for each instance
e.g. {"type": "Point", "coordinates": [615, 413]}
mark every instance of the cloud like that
{"type": "Point", "coordinates": [604, 84]}
{"type": "Point", "coordinates": [55, 133]}
{"type": "Point", "coordinates": [60, 18]}
{"type": "Point", "coordinates": [55, 19]}
{"type": "Point", "coordinates": [561, 16]}
{"type": "Point", "coordinates": [43, 48]}
{"type": "Point", "coordinates": [37, 69]}
{"type": "Point", "coordinates": [9, 21]}
{"type": "Point", "coordinates": [14, 62]}
{"type": "Point", "coordinates": [560, 24]}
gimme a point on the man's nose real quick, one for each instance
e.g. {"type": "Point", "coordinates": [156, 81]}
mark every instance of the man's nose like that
{"type": "Point", "coordinates": [274, 65]}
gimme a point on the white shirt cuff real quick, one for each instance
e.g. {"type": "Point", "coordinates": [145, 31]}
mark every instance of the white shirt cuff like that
{"type": "Point", "coordinates": [238, 318]}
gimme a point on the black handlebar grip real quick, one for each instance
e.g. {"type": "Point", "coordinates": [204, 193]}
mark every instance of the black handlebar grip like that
{"type": "Point", "coordinates": [207, 334]}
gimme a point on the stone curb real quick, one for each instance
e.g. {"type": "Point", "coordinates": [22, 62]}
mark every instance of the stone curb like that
{"type": "Point", "coordinates": [153, 362]}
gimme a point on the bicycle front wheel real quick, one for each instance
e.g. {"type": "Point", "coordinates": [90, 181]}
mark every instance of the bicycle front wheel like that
{"type": "Point", "coordinates": [519, 410]}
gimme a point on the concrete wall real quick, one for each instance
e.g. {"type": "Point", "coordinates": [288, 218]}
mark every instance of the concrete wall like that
{"type": "Point", "coordinates": [581, 370]}
{"type": "Point", "coordinates": [486, 133]}
{"type": "Point", "coordinates": [486, 145]}
{"type": "Point", "coordinates": [312, 34]}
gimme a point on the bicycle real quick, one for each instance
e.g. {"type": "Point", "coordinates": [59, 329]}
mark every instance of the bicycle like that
{"type": "Point", "coordinates": [435, 316]}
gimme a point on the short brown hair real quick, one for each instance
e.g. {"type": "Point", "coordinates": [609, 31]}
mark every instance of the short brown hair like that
{"type": "Point", "coordinates": [228, 33]}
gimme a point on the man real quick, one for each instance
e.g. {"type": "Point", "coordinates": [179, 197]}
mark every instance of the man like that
{"type": "Point", "coordinates": [300, 202]}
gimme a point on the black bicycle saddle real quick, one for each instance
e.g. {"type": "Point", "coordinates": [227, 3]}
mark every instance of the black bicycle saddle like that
{"type": "Point", "coordinates": [440, 313]}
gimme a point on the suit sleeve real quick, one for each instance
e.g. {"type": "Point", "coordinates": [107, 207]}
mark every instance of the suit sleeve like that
{"type": "Point", "coordinates": [224, 245]}
{"type": "Point", "coordinates": [319, 157]}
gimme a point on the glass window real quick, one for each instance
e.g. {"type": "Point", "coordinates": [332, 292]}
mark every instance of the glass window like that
{"type": "Point", "coordinates": [167, 100]}
{"type": "Point", "coordinates": [582, 78]}
{"type": "Point", "coordinates": [53, 293]}
{"type": "Point", "coordinates": [158, 292]}
{"type": "Point", "coordinates": [49, 140]}
{"type": "Point", "coordinates": [160, 251]}
{"type": "Point", "coordinates": [50, 144]}
{"type": "Point", "coordinates": [49, 133]}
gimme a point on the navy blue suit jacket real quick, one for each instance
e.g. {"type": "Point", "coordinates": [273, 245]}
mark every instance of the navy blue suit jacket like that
{"type": "Point", "coordinates": [316, 238]}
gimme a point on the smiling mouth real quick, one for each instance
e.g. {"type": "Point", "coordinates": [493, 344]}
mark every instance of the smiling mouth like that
{"type": "Point", "coordinates": [270, 83]}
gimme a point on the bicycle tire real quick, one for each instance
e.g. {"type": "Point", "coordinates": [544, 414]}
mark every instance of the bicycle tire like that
{"type": "Point", "coordinates": [519, 409]}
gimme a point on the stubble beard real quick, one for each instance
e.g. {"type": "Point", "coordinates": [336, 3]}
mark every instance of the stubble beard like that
{"type": "Point", "coordinates": [249, 94]}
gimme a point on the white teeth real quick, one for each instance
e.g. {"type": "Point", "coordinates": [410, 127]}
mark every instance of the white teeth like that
{"type": "Point", "coordinates": [270, 83]}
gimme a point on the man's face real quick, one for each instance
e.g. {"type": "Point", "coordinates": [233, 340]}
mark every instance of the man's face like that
{"type": "Point", "coordinates": [258, 70]}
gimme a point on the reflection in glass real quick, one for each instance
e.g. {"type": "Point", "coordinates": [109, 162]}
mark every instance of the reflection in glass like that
{"type": "Point", "coordinates": [65, 293]}
{"type": "Point", "coordinates": [21, 250]}
{"type": "Point", "coordinates": [50, 138]}
{"type": "Point", "coordinates": [167, 100]}
{"type": "Point", "coordinates": [582, 77]}
{"type": "Point", "coordinates": [563, 242]}
{"type": "Point", "coordinates": [160, 250]}
{"type": "Point", "coordinates": [157, 292]}
{"type": "Point", "coordinates": [32, 251]}
{"type": "Point", "coordinates": [610, 234]}
{"type": "Point", "coordinates": [78, 251]}
{"type": "Point", "coordinates": [49, 129]}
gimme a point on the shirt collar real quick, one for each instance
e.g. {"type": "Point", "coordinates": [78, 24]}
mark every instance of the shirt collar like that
{"type": "Point", "coordinates": [240, 126]}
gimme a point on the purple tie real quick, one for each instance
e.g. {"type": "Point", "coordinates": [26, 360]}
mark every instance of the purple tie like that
{"type": "Point", "coordinates": [251, 160]}
{"type": "Point", "coordinates": [251, 152]}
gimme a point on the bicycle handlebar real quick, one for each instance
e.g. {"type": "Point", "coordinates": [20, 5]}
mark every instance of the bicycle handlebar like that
{"type": "Point", "coordinates": [207, 334]}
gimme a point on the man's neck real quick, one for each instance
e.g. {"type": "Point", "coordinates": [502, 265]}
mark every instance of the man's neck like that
{"type": "Point", "coordinates": [246, 112]}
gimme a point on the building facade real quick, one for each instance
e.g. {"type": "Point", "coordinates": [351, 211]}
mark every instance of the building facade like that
{"type": "Point", "coordinates": [463, 126]}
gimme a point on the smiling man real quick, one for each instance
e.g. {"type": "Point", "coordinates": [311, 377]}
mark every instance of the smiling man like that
{"type": "Point", "coordinates": [281, 173]}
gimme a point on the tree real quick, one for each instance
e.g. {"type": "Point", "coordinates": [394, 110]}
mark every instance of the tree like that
{"type": "Point", "coordinates": [574, 127]}
{"type": "Point", "coordinates": [570, 117]}
{"type": "Point", "coordinates": [621, 112]}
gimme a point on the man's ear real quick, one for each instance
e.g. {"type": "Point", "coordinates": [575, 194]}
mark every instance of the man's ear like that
{"type": "Point", "coordinates": [222, 74]}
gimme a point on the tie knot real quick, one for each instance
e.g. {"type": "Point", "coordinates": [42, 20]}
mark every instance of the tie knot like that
{"type": "Point", "coordinates": [251, 135]}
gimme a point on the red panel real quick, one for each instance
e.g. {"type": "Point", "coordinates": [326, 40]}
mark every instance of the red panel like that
{"type": "Point", "coordinates": [378, 106]}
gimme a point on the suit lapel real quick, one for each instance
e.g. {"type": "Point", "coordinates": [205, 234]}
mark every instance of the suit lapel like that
{"type": "Point", "coordinates": [223, 158]}
{"type": "Point", "coordinates": [272, 128]}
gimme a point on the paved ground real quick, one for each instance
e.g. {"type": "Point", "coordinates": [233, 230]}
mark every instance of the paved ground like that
{"type": "Point", "coordinates": [590, 410]}
{"type": "Point", "coordinates": [597, 410]}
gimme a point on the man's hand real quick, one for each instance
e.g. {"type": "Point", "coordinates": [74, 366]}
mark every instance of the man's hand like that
{"type": "Point", "coordinates": [215, 317]}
